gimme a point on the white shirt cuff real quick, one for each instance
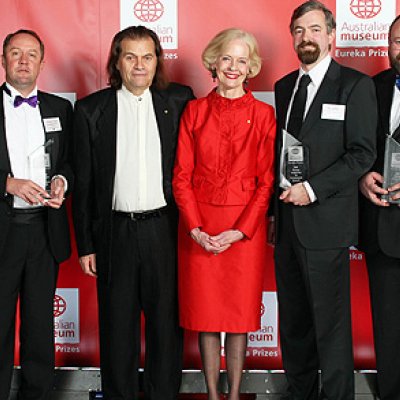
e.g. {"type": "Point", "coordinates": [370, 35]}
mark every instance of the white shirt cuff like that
{"type": "Point", "coordinates": [310, 192]}
{"type": "Point", "coordinates": [64, 180]}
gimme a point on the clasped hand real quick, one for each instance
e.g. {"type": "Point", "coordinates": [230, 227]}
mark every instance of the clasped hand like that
{"type": "Point", "coordinates": [371, 187]}
{"type": "Point", "coordinates": [296, 194]}
{"type": "Point", "coordinates": [218, 243]}
{"type": "Point", "coordinates": [34, 194]}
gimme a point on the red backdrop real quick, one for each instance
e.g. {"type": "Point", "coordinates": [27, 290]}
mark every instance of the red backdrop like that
{"type": "Point", "coordinates": [77, 36]}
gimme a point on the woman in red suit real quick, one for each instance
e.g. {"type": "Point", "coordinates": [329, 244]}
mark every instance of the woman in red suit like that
{"type": "Point", "coordinates": [223, 180]}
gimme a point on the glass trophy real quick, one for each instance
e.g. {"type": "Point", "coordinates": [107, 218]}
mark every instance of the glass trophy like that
{"type": "Point", "coordinates": [39, 165]}
{"type": "Point", "coordinates": [391, 168]}
{"type": "Point", "coordinates": [295, 162]}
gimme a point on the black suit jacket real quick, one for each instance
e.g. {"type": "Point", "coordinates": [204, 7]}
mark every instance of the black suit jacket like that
{"type": "Point", "coordinates": [50, 106]}
{"type": "Point", "coordinates": [341, 151]}
{"type": "Point", "coordinates": [95, 132]}
{"type": "Point", "coordinates": [380, 226]}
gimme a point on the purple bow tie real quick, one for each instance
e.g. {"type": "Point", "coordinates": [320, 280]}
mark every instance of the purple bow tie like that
{"type": "Point", "coordinates": [32, 101]}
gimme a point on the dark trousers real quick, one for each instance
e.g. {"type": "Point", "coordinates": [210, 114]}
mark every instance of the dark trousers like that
{"type": "Point", "coordinates": [384, 282]}
{"type": "Point", "coordinates": [28, 271]}
{"type": "Point", "coordinates": [143, 278]}
{"type": "Point", "coordinates": [314, 316]}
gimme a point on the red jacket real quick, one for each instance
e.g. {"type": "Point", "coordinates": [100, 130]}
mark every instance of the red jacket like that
{"type": "Point", "coordinates": [225, 156]}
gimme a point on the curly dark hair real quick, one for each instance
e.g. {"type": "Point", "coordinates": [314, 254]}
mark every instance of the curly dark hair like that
{"type": "Point", "coordinates": [138, 32]}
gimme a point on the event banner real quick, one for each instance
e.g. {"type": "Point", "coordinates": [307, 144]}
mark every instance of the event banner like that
{"type": "Point", "coordinates": [77, 36]}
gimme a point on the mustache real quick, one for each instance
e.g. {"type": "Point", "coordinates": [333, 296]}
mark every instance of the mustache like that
{"type": "Point", "coordinates": [307, 43]}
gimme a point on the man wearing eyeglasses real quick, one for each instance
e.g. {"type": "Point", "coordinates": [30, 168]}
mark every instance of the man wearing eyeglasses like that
{"type": "Point", "coordinates": [380, 226]}
{"type": "Point", "coordinates": [34, 234]}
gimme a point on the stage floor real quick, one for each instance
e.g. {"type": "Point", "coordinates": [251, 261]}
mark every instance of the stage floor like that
{"type": "Point", "coordinates": [84, 384]}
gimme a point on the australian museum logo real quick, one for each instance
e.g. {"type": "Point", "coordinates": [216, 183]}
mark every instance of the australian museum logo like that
{"type": "Point", "coordinates": [148, 10]}
{"type": "Point", "coordinates": [66, 316]}
{"type": "Point", "coordinates": [159, 15]}
{"type": "Point", "coordinates": [365, 9]}
{"type": "Point", "coordinates": [364, 23]}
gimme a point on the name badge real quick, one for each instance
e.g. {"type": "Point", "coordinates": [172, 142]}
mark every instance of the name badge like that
{"type": "Point", "coordinates": [333, 111]}
{"type": "Point", "coordinates": [52, 124]}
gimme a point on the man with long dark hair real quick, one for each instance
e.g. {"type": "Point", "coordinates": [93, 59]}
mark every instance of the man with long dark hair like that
{"type": "Point", "coordinates": [125, 217]}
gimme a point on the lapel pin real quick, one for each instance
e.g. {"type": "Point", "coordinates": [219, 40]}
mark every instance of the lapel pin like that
{"type": "Point", "coordinates": [248, 121]}
{"type": "Point", "coordinates": [165, 111]}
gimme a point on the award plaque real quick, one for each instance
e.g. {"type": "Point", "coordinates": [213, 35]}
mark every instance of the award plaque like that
{"type": "Point", "coordinates": [391, 167]}
{"type": "Point", "coordinates": [294, 163]}
{"type": "Point", "coordinates": [39, 165]}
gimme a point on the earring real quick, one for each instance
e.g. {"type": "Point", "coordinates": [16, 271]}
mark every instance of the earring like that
{"type": "Point", "coordinates": [214, 74]}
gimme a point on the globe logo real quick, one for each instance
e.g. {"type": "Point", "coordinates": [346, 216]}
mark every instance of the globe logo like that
{"type": "Point", "coordinates": [148, 10]}
{"type": "Point", "coordinates": [365, 9]}
{"type": "Point", "coordinates": [59, 306]}
{"type": "Point", "coordinates": [262, 309]}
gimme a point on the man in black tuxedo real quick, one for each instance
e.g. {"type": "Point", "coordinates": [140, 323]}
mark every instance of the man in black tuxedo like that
{"type": "Point", "coordinates": [331, 111]}
{"type": "Point", "coordinates": [380, 230]}
{"type": "Point", "coordinates": [125, 217]}
{"type": "Point", "coordinates": [34, 234]}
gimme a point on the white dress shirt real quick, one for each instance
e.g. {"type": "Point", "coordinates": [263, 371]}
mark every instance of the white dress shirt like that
{"type": "Point", "coordinates": [138, 176]}
{"type": "Point", "coordinates": [25, 137]}
{"type": "Point", "coordinates": [317, 75]}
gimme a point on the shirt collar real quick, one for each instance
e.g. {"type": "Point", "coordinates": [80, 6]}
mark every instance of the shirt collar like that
{"type": "Point", "coordinates": [317, 73]}
{"type": "Point", "coordinates": [14, 92]}
{"type": "Point", "coordinates": [129, 95]}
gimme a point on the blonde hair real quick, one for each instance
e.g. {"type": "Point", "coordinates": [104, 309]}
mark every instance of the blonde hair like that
{"type": "Point", "coordinates": [215, 48]}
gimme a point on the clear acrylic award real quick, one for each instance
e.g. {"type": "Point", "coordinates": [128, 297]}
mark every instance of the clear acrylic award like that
{"type": "Point", "coordinates": [39, 165]}
{"type": "Point", "coordinates": [295, 160]}
{"type": "Point", "coordinates": [391, 167]}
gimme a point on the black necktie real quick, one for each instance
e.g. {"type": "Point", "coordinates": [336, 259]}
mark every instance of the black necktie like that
{"type": "Point", "coordinates": [298, 106]}
{"type": "Point", "coordinates": [396, 134]}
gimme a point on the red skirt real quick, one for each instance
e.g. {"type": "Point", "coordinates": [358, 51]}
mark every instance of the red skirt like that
{"type": "Point", "coordinates": [221, 293]}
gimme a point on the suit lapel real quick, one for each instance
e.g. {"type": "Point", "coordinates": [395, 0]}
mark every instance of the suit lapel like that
{"type": "Point", "coordinates": [5, 164]}
{"type": "Point", "coordinates": [52, 139]}
{"type": "Point", "coordinates": [165, 127]}
{"type": "Point", "coordinates": [286, 96]}
{"type": "Point", "coordinates": [385, 95]}
{"type": "Point", "coordinates": [327, 93]}
{"type": "Point", "coordinates": [106, 131]}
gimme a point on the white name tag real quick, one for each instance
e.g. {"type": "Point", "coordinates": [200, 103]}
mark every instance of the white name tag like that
{"type": "Point", "coordinates": [52, 124]}
{"type": "Point", "coordinates": [333, 111]}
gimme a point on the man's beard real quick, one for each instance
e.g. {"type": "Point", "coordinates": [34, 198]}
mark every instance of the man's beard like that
{"type": "Point", "coordinates": [395, 62]}
{"type": "Point", "coordinates": [307, 56]}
